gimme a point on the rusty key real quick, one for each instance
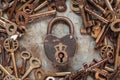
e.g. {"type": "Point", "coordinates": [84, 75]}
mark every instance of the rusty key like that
{"type": "Point", "coordinates": [44, 74]}
{"type": "Point", "coordinates": [25, 55]}
{"type": "Point", "coordinates": [34, 63]}
{"type": "Point", "coordinates": [30, 18]}
{"type": "Point", "coordinates": [11, 46]}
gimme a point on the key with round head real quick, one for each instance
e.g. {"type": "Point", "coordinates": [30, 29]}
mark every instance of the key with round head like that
{"type": "Point", "coordinates": [11, 46]}
{"type": "Point", "coordinates": [45, 75]}
{"type": "Point", "coordinates": [25, 55]}
{"type": "Point", "coordinates": [34, 63]}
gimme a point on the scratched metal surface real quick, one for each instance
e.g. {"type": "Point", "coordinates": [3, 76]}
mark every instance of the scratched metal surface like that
{"type": "Point", "coordinates": [36, 32]}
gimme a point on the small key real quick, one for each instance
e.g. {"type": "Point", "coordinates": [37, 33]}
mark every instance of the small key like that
{"type": "Point", "coordinates": [34, 63]}
{"type": "Point", "coordinates": [11, 46]}
{"type": "Point", "coordinates": [9, 26]}
{"type": "Point", "coordinates": [44, 74]}
{"type": "Point", "coordinates": [29, 18]}
{"type": "Point", "coordinates": [25, 56]}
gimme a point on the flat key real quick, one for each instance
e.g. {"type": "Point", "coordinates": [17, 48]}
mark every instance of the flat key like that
{"type": "Point", "coordinates": [23, 19]}
{"type": "Point", "coordinates": [9, 26]}
{"type": "Point", "coordinates": [11, 46]}
{"type": "Point", "coordinates": [34, 63]}
{"type": "Point", "coordinates": [44, 74]}
{"type": "Point", "coordinates": [25, 55]}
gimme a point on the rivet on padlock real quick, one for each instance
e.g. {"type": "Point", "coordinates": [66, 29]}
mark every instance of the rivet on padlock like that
{"type": "Point", "coordinates": [60, 50]}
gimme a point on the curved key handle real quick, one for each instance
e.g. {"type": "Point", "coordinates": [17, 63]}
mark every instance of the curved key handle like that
{"type": "Point", "coordinates": [35, 62]}
{"type": "Point", "coordinates": [41, 72]}
{"type": "Point", "coordinates": [25, 55]}
{"type": "Point", "coordinates": [10, 45]}
{"type": "Point", "coordinates": [113, 25]}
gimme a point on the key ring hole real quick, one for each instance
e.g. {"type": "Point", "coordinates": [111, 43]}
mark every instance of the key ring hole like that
{"type": "Point", "coordinates": [25, 54]}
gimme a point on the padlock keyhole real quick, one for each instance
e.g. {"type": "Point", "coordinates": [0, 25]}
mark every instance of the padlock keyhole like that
{"type": "Point", "coordinates": [61, 56]}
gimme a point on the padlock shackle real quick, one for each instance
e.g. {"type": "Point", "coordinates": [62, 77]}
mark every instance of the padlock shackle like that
{"type": "Point", "coordinates": [61, 18]}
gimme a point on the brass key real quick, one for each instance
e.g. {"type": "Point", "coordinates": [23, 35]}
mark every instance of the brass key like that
{"type": "Point", "coordinates": [9, 26]}
{"type": "Point", "coordinates": [25, 56]}
{"type": "Point", "coordinates": [11, 46]}
{"type": "Point", "coordinates": [34, 63]}
{"type": "Point", "coordinates": [30, 18]}
{"type": "Point", "coordinates": [44, 74]}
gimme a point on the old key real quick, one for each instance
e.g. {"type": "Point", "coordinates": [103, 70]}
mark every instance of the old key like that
{"type": "Point", "coordinates": [11, 46]}
{"type": "Point", "coordinates": [25, 56]}
{"type": "Point", "coordinates": [34, 63]}
{"type": "Point", "coordinates": [44, 74]}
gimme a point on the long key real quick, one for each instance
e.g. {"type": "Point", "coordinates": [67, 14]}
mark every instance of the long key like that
{"type": "Point", "coordinates": [25, 56]}
{"type": "Point", "coordinates": [9, 26]}
{"type": "Point", "coordinates": [44, 74]}
{"type": "Point", "coordinates": [11, 46]}
{"type": "Point", "coordinates": [30, 18]}
{"type": "Point", "coordinates": [34, 63]}
{"type": "Point", "coordinates": [87, 9]}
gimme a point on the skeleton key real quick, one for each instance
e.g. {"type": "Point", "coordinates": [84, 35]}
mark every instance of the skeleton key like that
{"type": "Point", "coordinates": [44, 74]}
{"type": "Point", "coordinates": [28, 8]}
{"type": "Point", "coordinates": [11, 46]}
{"type": "Point", "coordinates": [34, 63]}
{"type": "Point", "coordinates": [9, 26]}
{"type": "Point", "coordinates": [87, 9]}
{"type": "Point", "coordinates": [30, 18]}
{"type": "Point", "coordinates": [11, 11]}
{"type": "Point", "coordinates": [25, 56]}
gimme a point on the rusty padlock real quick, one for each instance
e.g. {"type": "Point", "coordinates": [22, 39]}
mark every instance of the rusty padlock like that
{"type": "Point", "coordinates": [60, 50]}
